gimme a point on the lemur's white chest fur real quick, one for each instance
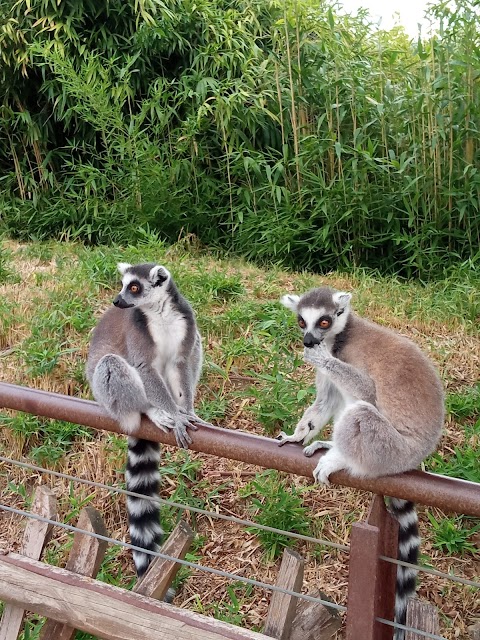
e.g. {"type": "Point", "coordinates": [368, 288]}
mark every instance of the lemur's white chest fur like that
{"type": "Point", "coordinates": [168, 330]}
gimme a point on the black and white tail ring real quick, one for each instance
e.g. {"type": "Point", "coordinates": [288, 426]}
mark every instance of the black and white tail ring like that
{"type": "Point", "coordinates": [408, 549]}
{"type": "Point", "coordinates": [142, 476]}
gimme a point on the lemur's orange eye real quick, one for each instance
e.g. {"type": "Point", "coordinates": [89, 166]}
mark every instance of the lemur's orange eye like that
{"type": "Point", "coordinates": [324, 323]}
{"type": "Point", "coordinates": [134, 288]}
{"type": "Point", "coordinates": [301, 323]}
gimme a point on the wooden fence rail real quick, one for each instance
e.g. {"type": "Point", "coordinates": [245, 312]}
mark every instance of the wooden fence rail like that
{"type": "Point", "coordinates": [101, 609]}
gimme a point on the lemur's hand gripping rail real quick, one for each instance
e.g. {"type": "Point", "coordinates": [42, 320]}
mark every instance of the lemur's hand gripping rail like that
{"type": "Point", "coordinates": [449, 494]}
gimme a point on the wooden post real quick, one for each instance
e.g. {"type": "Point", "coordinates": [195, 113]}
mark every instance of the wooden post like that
{"type": "Point", "coordinates": [35, 538]}
{"type": "Point", "coordinates": [282, 606]}
{"type": "Point", "coordinates": [362, 582]}
{"type": "Point", "coordinates": [380, 517]}
{"type": "Point", "coordinates": [103, 610]}
{"type": "Point", "coordinates": [422, 616]}
{"type": "Point", "coordinates": [85, 558]}
{"type": "Point", "coordinates": [159, 575]}
{"type": "Point", "coordinates": [314, 621]}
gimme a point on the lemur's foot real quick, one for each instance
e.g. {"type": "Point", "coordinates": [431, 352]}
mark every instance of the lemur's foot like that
{"type": "Point", "coordinates": [178, 423]}
{"type": "Point", "coordinates": [194, 418]}
{"type": "Point", "coordinates": [283, 438]}
{"type": "Point", "coordinates": [161, 419]}
{"type": "Point", "coordinates": [315, 446]}
{"type": "Point", "coordinates": [332, 461]}
{"type": "Point", "coordinates": [182, 423]}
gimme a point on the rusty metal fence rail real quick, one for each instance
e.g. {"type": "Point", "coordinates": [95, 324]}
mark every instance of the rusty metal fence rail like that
{"type": "Point", "coordinates": [449, 494]}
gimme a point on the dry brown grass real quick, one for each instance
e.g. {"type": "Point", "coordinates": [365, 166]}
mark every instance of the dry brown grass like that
{"type": "Point", "coordinates": [455, 349]}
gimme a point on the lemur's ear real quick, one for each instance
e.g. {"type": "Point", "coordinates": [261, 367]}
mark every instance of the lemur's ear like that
{"type": "Point", "coordinates": [342, 299]}
{"type": "Point", "coordinates": [290, 301]}
{"type": "Point", "coordinates": [123, 266]}
{"type": "Point", "coordinates": [158, 275]}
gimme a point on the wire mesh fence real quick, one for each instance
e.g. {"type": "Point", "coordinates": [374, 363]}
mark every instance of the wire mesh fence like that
{"type": "Point", "coordinates": [218, 572]}
{"type": "Point", "coordinates": [220, 516]}
{"type": "Point", "coordinates": [211, 570]}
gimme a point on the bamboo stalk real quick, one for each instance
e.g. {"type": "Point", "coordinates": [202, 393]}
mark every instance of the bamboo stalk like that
{"type": "Point", "coordinates": [293, 115]}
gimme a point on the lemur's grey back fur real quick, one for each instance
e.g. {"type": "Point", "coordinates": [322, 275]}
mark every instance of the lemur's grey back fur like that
{"type": "Point", "coordinates": [146, 357]}
{"type": "Point", "coordinates": [386, 401]}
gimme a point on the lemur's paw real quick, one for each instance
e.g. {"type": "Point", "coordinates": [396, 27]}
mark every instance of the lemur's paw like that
{"type": "Point", "coordinates": [192, 417]}
{"type": "Point", "coordinates": [283, 438]}
{"type": "Point", "coordinates": [321, 475]}
{"type": "Point", "coordinates": [161, 419]}
{"type": "Point", "coordinates": [317, 355]}
{"type": "Point", "coordinates": [331, 462]}
{"type": "Point", "coordinates": [315, 446]}
{"type": "Point", "coordinates": [303, 431]}
{"type": "Point", "coordinates": [182, 423]}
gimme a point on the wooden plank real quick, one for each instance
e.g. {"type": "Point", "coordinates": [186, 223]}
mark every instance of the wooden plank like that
{"type": "Point", "coordinates": [362, 582]}
{"type": "Point", "coordinates": [35, 538]}
{"type": "Point", "coordinates": [315, 621]}
{"type": "Point", "coordinates": [85, 558]}
{"type": "Point", "coordinates": [422, 616]}
{"type": "Point", "coordinates": [37, 533]}
{"type": "Point", "coordinates": [155, 582]}
{"type": "Point", "coordinates": [282, 606]}
{"type": "Point", "coordinates": [102, 609]}
{"type": "Point", "coordinates": [381, 518]}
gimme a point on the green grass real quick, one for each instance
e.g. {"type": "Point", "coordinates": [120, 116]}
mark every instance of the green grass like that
{"type": "Point", "coordinates": [281, 406]}
{"type": "Point", "coordinates": [453, 535]}
{"type": "Point", "coordinates": [7, 275]}
{"type": "Point", "coordinates": [45, 441]}
{"type": "Point", "coordinates": [32, 628]}
{"type": "Point", "coordinates": [465, 409]}
{"type": "Point", "coordinates": [465, 404]}
{"type": "Point", "coordinates": [275, 502]}
{"type": "Point", "coordinates": [229, 609]}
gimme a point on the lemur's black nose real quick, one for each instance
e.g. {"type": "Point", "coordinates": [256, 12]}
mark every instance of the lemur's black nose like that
{"type": "Point", "coordinates": [121, 303]}
{"type": "Point", "coordinates": [310, 341]}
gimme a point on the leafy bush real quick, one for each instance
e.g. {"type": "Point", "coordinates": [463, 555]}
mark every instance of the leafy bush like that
{"type": "Point", "coordinates": [279, 130]}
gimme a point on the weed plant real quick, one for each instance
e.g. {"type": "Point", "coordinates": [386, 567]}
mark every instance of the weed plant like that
{"type": "Point", "coordinates": [273, 503]}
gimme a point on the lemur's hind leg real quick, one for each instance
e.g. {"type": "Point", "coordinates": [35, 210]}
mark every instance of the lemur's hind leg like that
{"type": "Point", "coordinates": [119, 388]}
{"type": "Point", "coordinates": [365, 444]}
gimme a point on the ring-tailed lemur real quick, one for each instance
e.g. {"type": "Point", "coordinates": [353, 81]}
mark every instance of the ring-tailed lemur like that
{"type": "Point", "coordinates": [386, 401]}
{"type": "Point", "coordinates": [146, 357]}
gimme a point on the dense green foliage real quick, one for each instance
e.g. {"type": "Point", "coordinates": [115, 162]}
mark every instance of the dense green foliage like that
{"type": "Point", "coordinates": [278, 129]}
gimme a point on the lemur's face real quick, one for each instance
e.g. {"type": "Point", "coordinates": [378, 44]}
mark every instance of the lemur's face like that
{"type": "Point", "coordinates": [142, 285]}
{"type": "Point", "coordinates": [321, 313]}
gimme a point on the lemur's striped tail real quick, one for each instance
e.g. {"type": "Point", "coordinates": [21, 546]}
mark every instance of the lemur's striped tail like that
{"type": "Point", "coordinates": [408, 548]}
{"type": "Point", "coordinates": [143, 477]}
